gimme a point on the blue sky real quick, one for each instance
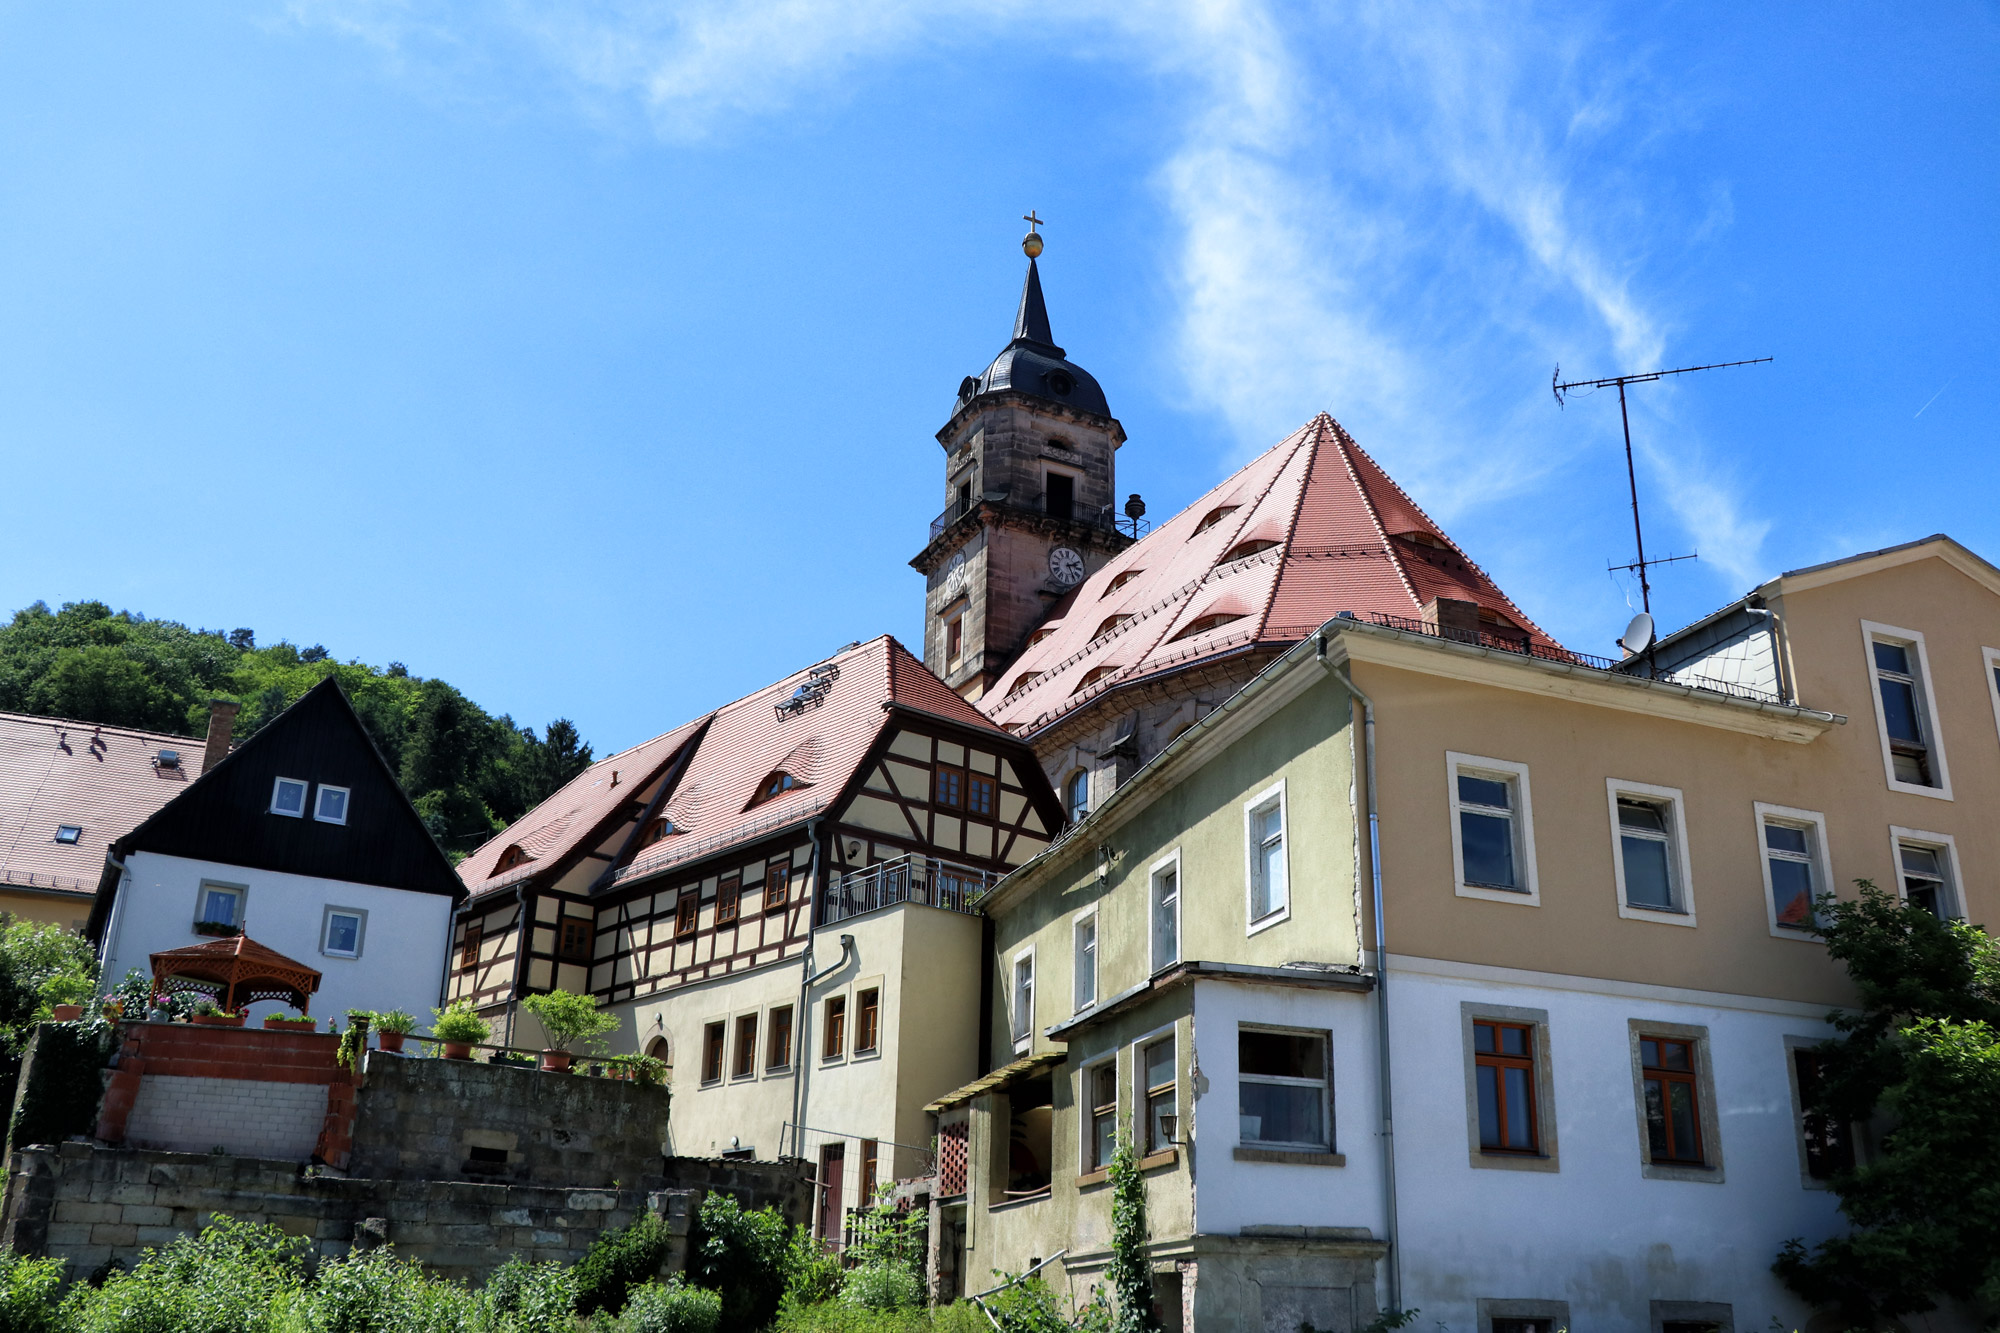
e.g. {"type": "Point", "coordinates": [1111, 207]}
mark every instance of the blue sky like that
{"type": "Point", "coordinates": [589, 355]}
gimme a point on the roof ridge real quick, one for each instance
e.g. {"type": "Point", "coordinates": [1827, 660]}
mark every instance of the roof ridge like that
{"type": "Point", "coordinates": [1345, 444]}
{"type": "Point", "coordinates": [110, 727]}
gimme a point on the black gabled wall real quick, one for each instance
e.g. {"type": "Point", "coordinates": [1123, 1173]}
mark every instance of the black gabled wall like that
{"type": "Point", "coordinates": [225, 814]}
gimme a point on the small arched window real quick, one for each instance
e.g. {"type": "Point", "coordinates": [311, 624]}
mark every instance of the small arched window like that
{"type": "Point", "coordinates": [1094, 675]}
{"type": "Point", "coordinates": [510, 858]}
{"type": "Point", "coordinates": [1119, 580]}
{"type": "Point", "coordinates": [1242, 550]}
{"type": "Point", "coordinates": [1203, 625]}
{"type": "Point", "coordinates": [777, 784]}
{"type": "Point", "coordinates": [658, 1049]}
{"type": "Point", "coordinates": [1110, 623]}
{"type": "Point", "coordinates": [1024, 680]}
{"type": "Point", "coordinates": [1213, 517]}
{"type": "Point", "coordinates": [1076, 795]}
{"type": "Point", "coordinates": [656, 830]}
{"type": "Point", "coordinates": [1045, 632]}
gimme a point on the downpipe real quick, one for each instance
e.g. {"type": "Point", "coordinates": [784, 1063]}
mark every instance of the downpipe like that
{"type": "Point", "coordinates": [1395, 1255]}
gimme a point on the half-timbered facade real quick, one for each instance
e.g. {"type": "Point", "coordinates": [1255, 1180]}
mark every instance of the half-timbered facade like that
{"type": "Point", "coordinates": [762, 895]}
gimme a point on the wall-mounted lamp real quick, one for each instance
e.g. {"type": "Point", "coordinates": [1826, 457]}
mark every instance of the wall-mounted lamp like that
{"type": "Point", "coordinates": [1169, 1128]}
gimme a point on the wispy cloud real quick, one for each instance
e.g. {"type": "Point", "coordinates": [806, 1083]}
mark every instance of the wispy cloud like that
{"type": "Point", "coordinates": [1406, 215]}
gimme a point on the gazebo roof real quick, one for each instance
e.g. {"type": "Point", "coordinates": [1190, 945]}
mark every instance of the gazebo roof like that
{"type": "Point", "coordinates": [245, 970]}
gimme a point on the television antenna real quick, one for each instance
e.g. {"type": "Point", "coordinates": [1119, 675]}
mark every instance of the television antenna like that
{"type": "Point", "coordinates": [1632, 476]}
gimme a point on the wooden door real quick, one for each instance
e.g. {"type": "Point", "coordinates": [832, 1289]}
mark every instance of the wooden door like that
{"type": "Point", "coordinates": [832, 1164]}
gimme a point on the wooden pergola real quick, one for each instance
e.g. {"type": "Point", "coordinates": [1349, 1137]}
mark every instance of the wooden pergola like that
{"type": "Point", "coordinates": [237, 970]}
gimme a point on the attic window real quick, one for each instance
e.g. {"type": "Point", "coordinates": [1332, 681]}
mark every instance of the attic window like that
{"type": "Point", "coordinates": [1421, 539]}
{"type": "Point", "coordinates": [776, 785]}
{"type": "Point", "coordinates": [1110, 623]}
{"type": "Point", "coordinates": [288, 798]}
{"type": "Point", "coordinates": [1094, 675]}
{"type": "Point", "coordinates": [1045, 632]}
{"type": "Point", "coordinates": [1214, 517]}
{"type": "Point", "coordinates": [69, 833]}
{"type": "Point", "coordinates": [164, 759]}
{"type": "Point", "coordinates": [1204, 624]}
{"type": "Point", "coordinates": [1123, 577]}
{"type": "Point", "coordinates": [332, 807]}
{"type": "Point", "coordinates": [1024, 680]}
{"type": "Point", "coordinates": [1243, 550]}
{"type": "Point", "coordinates": [512, 857]}
{"type": "Point", "coordinates": [657, 830]}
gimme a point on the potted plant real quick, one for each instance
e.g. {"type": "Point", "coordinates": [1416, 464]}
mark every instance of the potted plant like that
{"type": "Point", "coordinates": [458, 1029]}
{"type": "Point", "coordinates": [219, 929]}
{"type": "Point", "coordinates": [208, 1013]}
{"type": "Point", "coordinates": [163, 1008]}
{"type": "Point", "coordinates": [392, 1027]}
{"type": "Point", "coordinates": [289, 1023]}
{"type": "Point", "coordinates": [111, 1008]}
{"type": "Point", "coordinates": [568, 1019]}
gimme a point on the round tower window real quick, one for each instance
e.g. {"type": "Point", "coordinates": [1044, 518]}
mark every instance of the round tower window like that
{"type": "Point", "coordinates": [1060, 383]}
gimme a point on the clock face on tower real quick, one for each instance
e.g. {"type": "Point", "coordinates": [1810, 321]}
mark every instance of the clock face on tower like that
{"type": "Point", "coordinates": [954, 575]}
{"type": "Point", "coordinates": [1065, 567]}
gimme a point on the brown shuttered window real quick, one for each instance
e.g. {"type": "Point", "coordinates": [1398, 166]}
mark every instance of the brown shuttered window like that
{"type": "Point", "coordinates": [576, 935]}
{"type": "Point", "coordinates": [746, 1047]}
{"type": "Point", "coordinates": [777, 883]}
{"type": "Point", "coordinates": [727, 894]}
{"type": "Point", "coordinates": [834, 1036]}
{"type": "Point", "coordinates": [468, 948]}
{"type": "Point", "coordinates": [687, 911]}
{"type": "Point", "coordinates": [711, 1053]}
{"type": "Point", "coordinates": [867, 1020]}
{"type": "Point", "coordinates": [1504, 1059]}
{"type": "Point", "coordinates": [979, 795]}
{"type": "Point", "coordinates": [1673, 1117]}
{"type": "Point", "coordinates": [778, 1054]}
{"type": "Point", "coordinates": [950, 786]}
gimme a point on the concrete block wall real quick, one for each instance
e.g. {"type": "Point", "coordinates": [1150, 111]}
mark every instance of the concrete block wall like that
{"type": "Point", "coordinates": [90, 1206]}
{"type": "Point", "coordinates": [246, 1118]}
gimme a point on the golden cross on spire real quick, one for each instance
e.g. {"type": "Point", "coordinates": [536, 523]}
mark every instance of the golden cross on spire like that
{"type": "Point", "coordinates": [1031, 244]}
{"type": "Point", "coordinates": [1030, 218]}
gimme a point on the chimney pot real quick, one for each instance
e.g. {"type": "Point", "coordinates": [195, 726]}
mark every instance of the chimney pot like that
{"type": "Point", "coordinates": [221, 726]}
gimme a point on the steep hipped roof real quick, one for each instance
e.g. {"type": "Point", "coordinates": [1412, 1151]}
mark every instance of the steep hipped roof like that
{"type": "Point", "coordinates": [1033, 364]}
{"type": "Point", "coordinates": [1311, 528]}
{"type": "Point", "coordinates": [717, 800]}
{"type": "Point", "coordinates": [102, 781]}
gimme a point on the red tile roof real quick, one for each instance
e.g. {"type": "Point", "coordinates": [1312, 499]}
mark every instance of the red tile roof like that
{"type": "Point", "coordinates": [1344, 537]}
{"type": "Point", "coordinates": [103, 780]}
{"type": "Point", "coordinates": [714, 802]}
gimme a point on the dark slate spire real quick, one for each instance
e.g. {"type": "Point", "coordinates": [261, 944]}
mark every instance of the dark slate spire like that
{"type": "Point", "coordinates": [1031, 322]}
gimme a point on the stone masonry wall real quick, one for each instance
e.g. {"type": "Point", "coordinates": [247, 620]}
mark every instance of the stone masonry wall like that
{"type": "Point", "coordinates": [457, 1120]}
{"type": "Point", "coordinates": [247, 1118]}
{"type": "Point", "coordinates": [92, 1205]}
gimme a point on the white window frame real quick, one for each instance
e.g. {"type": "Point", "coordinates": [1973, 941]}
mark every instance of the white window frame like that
{"type": "Point", "coordinates": [305, 797]}
{"type": "Point", "coordinates": [360, 930]}
{"type": "Point", "coordinates": [1871, 633]}
{"type": "Point", "coordinates": [1087, 917]}
{"type": "Point", "coordinates": [1325, 1037]}
{"type": "Point", "coordinates": [1677, 810]}
{"type": "Point", "coordinates": [1939, 842]}
{"type": "Point", "coordinates": [1141, 1121]}
{"type": "Point", "coordinates": [241, 892]}
{"type": "Point", "coordinates": [1021, 1009]}
{"type": "Point", "coordinates": [1253, 863]}
{"type": "Point", "coordinates": [346, 803]}
{"type": "Point", "coordinates": [1172, 859]}
{"type": "Point", "coordinates": [1822, 864]}
{"type": "Point", "coordinates": [1530, 894]}
{"type": "Point", "coordinates": [1074, 816]}
{"type": "Point", "coordinates": [1990, 661]}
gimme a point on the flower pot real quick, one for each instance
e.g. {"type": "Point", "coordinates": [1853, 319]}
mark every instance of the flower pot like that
{"type": "Point", "coordinates": [67, 1013]}
{"type": "Point", "coordinates": [277, 1022]}
{"type": "Point", "coordinates": [555, 1062]}
{"type": "Point", "coordinates": [392, 1042]}
{"type": "Point", "coordinates": [457, 1050]}
{"type": "Point", "coordinates": [218, 1020]}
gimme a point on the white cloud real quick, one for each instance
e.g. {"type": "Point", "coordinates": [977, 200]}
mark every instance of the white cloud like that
{"type": "Point", "coordinates": [1402, 214]}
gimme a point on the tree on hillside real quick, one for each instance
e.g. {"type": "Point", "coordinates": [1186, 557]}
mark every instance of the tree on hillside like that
{"type": "Point", "coordinates": [1920, 1059]}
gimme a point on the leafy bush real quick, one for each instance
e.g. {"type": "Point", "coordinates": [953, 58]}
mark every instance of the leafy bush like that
{"type": "Point", "coordinates": [235, 1277]}
{"type": "Point", "coordinates": [570, 1018]}
{"type": "Point", "coordinates": [673, 1307]}
{"type": "Point", "coordinates": [742, 1255]}
{"type": "Point", "coordinates": [618, 1261]}
{"type": "Point", "coordinates": [540, 1297]}
{"type": "Point", "coordinates": [64, 1083]}
{"type": "Point", "coordinates": [839, 1317]}
{"type": "Point", "coordinates": [396, 1020]}
{"type": "Point", "coordinates": [812, 1272]}
{"type": "Point", "coordinates": [459, 1023]}
{"type": "Point", "coordinates": [882, 1286]}
{"type": "Point", "coordinates": [28, 1294]}
{"type": "Point", "coordinates": [1032, 1307]}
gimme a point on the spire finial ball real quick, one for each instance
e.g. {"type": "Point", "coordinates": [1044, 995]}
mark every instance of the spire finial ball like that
{"type": "Point", "coordinates": [1031, 244]}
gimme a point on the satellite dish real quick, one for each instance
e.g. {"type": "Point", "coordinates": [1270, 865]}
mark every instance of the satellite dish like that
{"type": "Point", "coordinates": [1638, 635]}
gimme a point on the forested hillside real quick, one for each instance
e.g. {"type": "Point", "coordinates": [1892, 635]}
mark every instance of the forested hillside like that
{"type": "Point", "coordinates": [470, 773]}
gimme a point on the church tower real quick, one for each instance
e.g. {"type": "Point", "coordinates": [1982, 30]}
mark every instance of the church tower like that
{"type": "Point", "coordinates": [1030, 499]}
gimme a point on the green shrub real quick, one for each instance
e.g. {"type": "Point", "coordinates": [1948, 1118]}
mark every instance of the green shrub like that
{"type": "Point", "coordinates": [812, 1272]}
{"type": "Point", "coordinates": [541, 1298]}
{"type": "Point", "coordinates": [28, 1294]}
{"type": "Point", "coordinates": [839, 1317]}
{"type": "Point", "coordinates": [396, 1020]}
{"type": "Point", "coordinates": [457, 1022]}
{"type": "Point", "coordinates": [673, 1307]}
{"type": "Point", "coordinates": [882, 1286]}
{"type": "Point", "coordinates": [1032, 1307]}
{"type": "Point", "coordinates": [618, 1261]}
{"type": "Point", "coordinates": [65, 1081]}
{"type": "Point", "coordinates": [743, 1255]}
{"type": "Point", "coordinates": [235, 1277]}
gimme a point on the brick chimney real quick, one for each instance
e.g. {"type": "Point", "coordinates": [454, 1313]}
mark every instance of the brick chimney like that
{"type": "Point", "coordinates": [221, 725]}
{"type": "Point", "coordinates": [1453, 619]}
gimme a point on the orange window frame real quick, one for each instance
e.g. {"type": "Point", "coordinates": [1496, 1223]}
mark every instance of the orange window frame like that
{"type": "Point", "coordinates": [834, 1037]}
{"type": "Point", "coordinates": [948, 787]}
{"type": "Point", "coordinates": [1500, 1062]}
{"type": "Point", "coordinates": [468, 948]}
{"type": "Point", "coordinates": [979, 795]}
{"type": "Point", "coordinates": [777, 883]}
{"type": "Point", "coordinates": [778, 1040]}
{"type": "Point", "coordinates": [712, 1037]}
{"type": "Point", "coordinates": [1672, 1091]}
{"type": "Point", "coordinates": [687, 912]}
{"type": "Point", "coordinates": [867, 1020]}
{"type": "Point", "coordinates": [728, 897]}
{"type": "Point", "coordinates": [745, 1063]}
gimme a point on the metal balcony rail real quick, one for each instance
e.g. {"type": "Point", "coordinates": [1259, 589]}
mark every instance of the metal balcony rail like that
{"type": "Point", "coordinates": [907, 879]}
{"type": "Point", "coordinates": [1107, 518]}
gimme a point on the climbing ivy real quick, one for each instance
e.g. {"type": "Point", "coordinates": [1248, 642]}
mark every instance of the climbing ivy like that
{"type": "Point", "coordinates": [1130, 1273]}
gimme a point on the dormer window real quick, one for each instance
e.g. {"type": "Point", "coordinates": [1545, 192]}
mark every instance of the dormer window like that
{"type": "Point", "coordinates": [656, 830]}
{"type": "Point", "coordinates": [1213, 517]}
{"type": "Point", "coordinates": [1110, 623]}
{"type": "Point", "coordinates": [776, 785]}
{"type": "Point", "coordinates": [510, 858]}
{"type": "Point", "coordinates": [1204, 624]}
{"type": "Point", "coordinates": [1120, 579]}
{"type": "Point", "coordinates": [1244, 550]}
{"type": "Point", "coordinates": [70, 834]}
{"type": "Point", "coordinates": [1045, 632]}
{"type": "Point", "coordinates": [1024, 680]}
{"type": "Point", "coordinates": [331, 808]}
{"type": "Point", "coordinates": [288, 798]}
{"type": "Point", "coordinates": [1092, 676]}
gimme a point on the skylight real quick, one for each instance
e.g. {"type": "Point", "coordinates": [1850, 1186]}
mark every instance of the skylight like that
{"type": "Point", "coordinates": [69, 833]}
